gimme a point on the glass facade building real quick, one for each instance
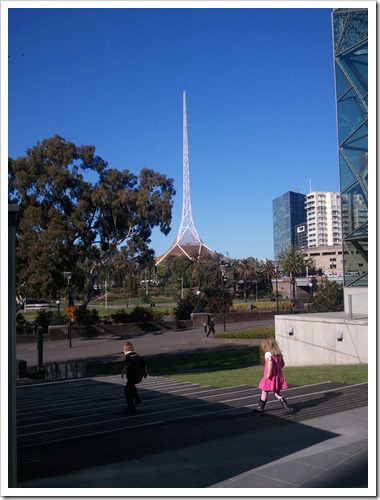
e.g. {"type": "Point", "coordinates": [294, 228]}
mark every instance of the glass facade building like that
{"type": "Point", "coordinates": [288, 212]}
{"type": "Point", "coordinates": [350, 36]}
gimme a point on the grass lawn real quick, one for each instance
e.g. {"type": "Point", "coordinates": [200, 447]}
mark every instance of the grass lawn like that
{"type": "Point", "coordinates": [353, 374]}
{"type": "Point", "coordinates": [231, 367]}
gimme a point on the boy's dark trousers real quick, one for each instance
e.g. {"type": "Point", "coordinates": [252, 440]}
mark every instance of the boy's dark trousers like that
{"type": "Point", "coordinates": [131, 394]}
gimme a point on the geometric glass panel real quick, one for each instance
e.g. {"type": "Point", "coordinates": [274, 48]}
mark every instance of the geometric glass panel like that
{"type": "Point", "coordinates": [355, 264]}
{"type": "Point", "coordinates": [356, 65]}
{"type": "Point", "coordinates": [354, 211]}
{"type": "Point", "coordinates": [347, 178]}
{"type": "Point", "coordinates": [351, 113]}
{"type": "Point", "coordinates": [355, 151]}
{"type": "Point", "coordinates": [350, 32]}
{"type": "Point", "coordinates": [342, 83]}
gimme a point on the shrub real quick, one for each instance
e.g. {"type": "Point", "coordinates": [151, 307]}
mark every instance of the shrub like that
{"type": "Point", "coordinates": [121, 316]}
{"type": "Point", "coordinates": [184, 307]}
{"type": "Point", "coordinates": [328, 298]}
{"type": "Point", "coordinates": [23, 326]}
{"type": "Point", "coordinates": [87, 317]}
{"type": "Point", "coordinates": [44, 319]}
{"type": "Point", "coordinates": [140, 314]}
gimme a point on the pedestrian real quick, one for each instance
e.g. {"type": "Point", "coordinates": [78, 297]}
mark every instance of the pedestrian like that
{"type": "Point", "coordinates": [211, 327]}
{"type": "Point", "coordinates": [135, 369]}
{"type": "Point", "coordinates": [273, 379]}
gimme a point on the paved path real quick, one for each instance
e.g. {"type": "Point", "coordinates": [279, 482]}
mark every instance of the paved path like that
{"type": "Point", "coordinates": [74, 434]}
{"type": "Point", "coordinates": [110, 348]}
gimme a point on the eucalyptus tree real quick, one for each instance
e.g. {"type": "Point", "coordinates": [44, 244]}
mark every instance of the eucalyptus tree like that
{"type": "Point", "coordinates": [180, 271]}
{"type": "Point", "coordinates": [75, 211]}
{"type": "Point", "coordinates": [123, 268]}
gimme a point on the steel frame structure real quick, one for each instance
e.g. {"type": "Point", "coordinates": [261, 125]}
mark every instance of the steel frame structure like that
{"type": "Point", "coordinates": [187, 242]}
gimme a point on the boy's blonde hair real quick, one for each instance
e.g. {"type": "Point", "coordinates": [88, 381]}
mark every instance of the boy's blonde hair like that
{"type": "Point", "coordinates": [128, 346]}
{"type": "Point", "coordinates": [269, 345]}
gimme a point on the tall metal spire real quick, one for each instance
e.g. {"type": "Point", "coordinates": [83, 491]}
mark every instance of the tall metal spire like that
{"type": "Point", "coordinates": [187, 233]}
{"type": "Point", "coordinates": [187, 241]}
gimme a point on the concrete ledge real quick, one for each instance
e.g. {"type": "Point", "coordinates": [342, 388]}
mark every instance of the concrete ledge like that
{"type": "Point", "coordinates": [117, 330]}
{"type": "Point", "coordinates": [322, 339]}
{"type": "Point", "coordinates": [66, 369]}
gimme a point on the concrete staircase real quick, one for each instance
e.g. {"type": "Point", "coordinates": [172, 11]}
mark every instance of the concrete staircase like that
{"type": "Point", "coordinates": [68, 425]}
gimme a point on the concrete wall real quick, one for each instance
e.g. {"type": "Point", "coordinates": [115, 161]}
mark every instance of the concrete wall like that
{"type": "Point", "coordinates": [359, 300]}
{"type": "Point", "coordinates": [312, 339]}
{"type": "Point", "coordinates": [126, 330]}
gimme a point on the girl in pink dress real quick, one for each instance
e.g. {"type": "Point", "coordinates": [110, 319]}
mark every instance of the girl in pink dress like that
{"type": "Point", "coordinates": [273, 379]}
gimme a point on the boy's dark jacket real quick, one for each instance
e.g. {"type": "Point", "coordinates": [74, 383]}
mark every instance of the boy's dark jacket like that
{"type": "Point", "coordinates": [135, 366]}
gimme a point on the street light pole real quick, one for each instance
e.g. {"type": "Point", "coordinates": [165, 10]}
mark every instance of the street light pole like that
{"type": "Point", "coordinates": [311, 291]}
{"type": "Point", "coordinates": [222, 268]}
{"type": "Point", "coordinates": [277, 311]}
{"type": "Point", "coordinates": [68, 277]}
{"type": "Point", "coordinates": [198, 303]}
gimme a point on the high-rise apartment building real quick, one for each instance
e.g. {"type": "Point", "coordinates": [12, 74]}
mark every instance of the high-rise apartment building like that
{"type": "Point", "coordinates": [288, 212]}
{"type": "Point", "coordinates": [323, 217]}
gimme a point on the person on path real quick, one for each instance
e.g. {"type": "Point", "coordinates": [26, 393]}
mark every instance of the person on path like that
{"type": "Point", "coordinates": [135, 369]}
{"type": "Point", "coordinates": [273, 379]}
{"type": "Point", "coordinates": [211, 327]}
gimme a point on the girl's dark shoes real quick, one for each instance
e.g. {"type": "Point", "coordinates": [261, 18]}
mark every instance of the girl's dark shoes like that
{"type": "Point", "coordinates": [261, 405]}
{"type": "Point", "coordinates": [285, 406]}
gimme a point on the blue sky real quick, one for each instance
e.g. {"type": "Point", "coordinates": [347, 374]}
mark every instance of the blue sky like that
{"type": "Point", "coordinates": [260, 102]}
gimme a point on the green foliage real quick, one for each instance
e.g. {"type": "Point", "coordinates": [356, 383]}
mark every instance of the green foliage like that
{"type": "Point", "coordinates": [44, 319]}
{"type": "Point", "coordinates": [41, 318]}
{"type": "Point", "coordinates": [185, 307]}
{"type": "Point", "coordinates": [86, 317]}
{"type": "Point", "coordinates": [253, 333]}
{"type": "Point", "coordinates": [137, 315]}
{"type": "Point", "coordinates": [120, 316]}
{"type": "Point", "coordinates": [247, 272]}
{"type": "Point", "coordinates": [23, 326]}
{"type": "Point", "coordinates": [75, 212]}
{"type": "Point", "coordinates": [212, 300]}
{"type": "Point", "coordinates": [294, 262]}
{"type": "Point", "coordinates": [328, 298]}
{"type": "Point", "coordinates": [141, 314]}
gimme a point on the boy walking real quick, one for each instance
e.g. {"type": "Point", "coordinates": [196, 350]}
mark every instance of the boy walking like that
{"type": "Point", "coordinates": [135, 369]}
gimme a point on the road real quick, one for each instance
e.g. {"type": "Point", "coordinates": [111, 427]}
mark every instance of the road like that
{"type": "Point", "coordinates": [110, 349]}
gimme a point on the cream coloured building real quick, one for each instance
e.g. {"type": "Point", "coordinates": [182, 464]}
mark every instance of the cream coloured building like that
{"type": "Point", "coordinates": [327, 258]}
{"type": "Point", "coordinates": [323, 218]}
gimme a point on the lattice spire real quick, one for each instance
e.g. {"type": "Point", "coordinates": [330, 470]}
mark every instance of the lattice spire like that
{"type": "Point", "coordinates": [187, 234]}
{"type": "Point", "coordinates": [187, 241]}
